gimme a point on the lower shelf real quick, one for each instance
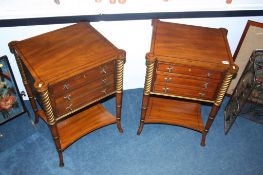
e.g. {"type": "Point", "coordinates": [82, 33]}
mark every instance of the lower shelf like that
{"type": "Point", "coordinates": [175, 112]}
{"type": "Point", "coordinates": [74, 127]}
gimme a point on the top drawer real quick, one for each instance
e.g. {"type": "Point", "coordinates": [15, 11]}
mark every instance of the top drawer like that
{"type": "Point", "coordinates": [81, 79]}
{"type": "Point", "coordinates": [188, 70]}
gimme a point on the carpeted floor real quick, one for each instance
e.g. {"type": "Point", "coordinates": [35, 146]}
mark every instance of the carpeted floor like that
{"type": "Point", "coordinates": [160, 149]}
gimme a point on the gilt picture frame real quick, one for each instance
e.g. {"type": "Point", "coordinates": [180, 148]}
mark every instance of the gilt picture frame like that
{"type": "Point", "coordinates": [11, 102]}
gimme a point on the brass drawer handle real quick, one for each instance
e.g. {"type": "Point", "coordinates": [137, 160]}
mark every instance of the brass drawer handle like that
{"type": "Point", "coordinates": [69, 107]}
{"type": "Point", "coordinates": [201, 94]}
{"type": "Point", "coordinates": [166, 90]}
{"type": "Point", "coordinates": [169, 69]}
{"type": "Point", "coordinates": [209, 75]}
{"type": "Point", "coordinates": [104, 91]}
{"type": "Point", "coordinates": [168, 79]}
{"type": "Point", "coordinates": [206, 85]}
{"type": "Point", "coordinates": [104, 81]}
{"type": "Point", "coordinates": [103, 71]}
{"type": "Point", "coordinates": [66, 86]}
{"type": "Point", "coordinates": [68, 97]}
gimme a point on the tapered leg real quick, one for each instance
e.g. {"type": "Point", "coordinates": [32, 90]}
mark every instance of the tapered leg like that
{"type": "Point", "coordinates": [54, 132]}
{"type": "Point", "coordinates": [143, 112]}
{"type": "Point", "coordinates": [209, 122]}
{"type": "Point", "coordinates": [118, 110]}
{"type": "Point", "coordinates": [225, 84]}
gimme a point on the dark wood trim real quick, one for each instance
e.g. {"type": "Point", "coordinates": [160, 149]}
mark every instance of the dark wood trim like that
{"type": "Point", "coordinates": [128, 16]}
{"type": "Point", "coordinates": [249, 23]}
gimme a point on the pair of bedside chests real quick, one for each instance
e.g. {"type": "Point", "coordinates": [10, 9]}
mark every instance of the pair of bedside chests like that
{"type": "Point", "coordinates": [70, 70]}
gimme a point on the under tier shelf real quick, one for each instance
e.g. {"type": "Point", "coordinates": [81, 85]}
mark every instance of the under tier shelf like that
{"type": "Point", "coordinates": [73, 128]}
{"type": "Point", "coordinates": [176, 112]}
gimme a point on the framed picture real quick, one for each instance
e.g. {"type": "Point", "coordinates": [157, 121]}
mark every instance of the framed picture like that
{"type": "Point", "coordinates": [11, 103]}
{"type": "Point", "coordinates": [251, 39]}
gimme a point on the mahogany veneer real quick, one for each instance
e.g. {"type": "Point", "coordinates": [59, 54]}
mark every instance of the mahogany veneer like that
{"type": "Point", "coordinates": [185, 62]}
{"type": "Point", "coordinates": [68, 71]}
{"type": "Point", "coordinates": [177, 112]}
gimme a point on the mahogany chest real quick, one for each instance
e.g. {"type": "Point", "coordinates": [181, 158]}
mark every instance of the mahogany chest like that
{"type": "Point", "coordinates": [69, 71]}
{"type": "Point", "coordinates": [186, 65]}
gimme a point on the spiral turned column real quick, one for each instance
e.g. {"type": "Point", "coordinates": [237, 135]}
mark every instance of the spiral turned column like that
{"type": "Point", "coordinates": [150, 63]}
{"type": "Point", "coordinates": [220, 96]}
{"type": "Point", "coordinates": [42, 88]}
{"type": "Point", "coordinates": [119, 86]}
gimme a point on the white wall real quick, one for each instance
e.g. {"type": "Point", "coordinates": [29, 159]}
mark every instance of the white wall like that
{"type": "Point", "coordinates": [134, 36]}
{"type": "Point", "coordinates": [10, 9]}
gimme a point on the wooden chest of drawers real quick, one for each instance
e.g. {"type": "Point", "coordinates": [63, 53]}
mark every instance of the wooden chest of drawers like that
{"type": "Point", "coordinates": [69, 71]}
{"type": "Point", "coordinates": [187, 65]}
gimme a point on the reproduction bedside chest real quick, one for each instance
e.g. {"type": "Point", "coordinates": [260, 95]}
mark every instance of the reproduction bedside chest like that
{"type": "Point", "coordinates": [68, 71]}
{"type": "Point", "coordinates": [186, 65]}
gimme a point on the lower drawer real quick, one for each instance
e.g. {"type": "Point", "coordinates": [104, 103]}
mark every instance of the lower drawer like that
{"type": "Point", "coordinates": [80, 97]}
{"type": "Point", "coordinates": [190, 82]}
{"type": "Point", "coordinates": [183, 92]}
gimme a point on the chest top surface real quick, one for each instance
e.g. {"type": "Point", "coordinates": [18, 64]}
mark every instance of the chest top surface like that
{"type": "Point", "coordinates": [64, 52]}
{"type": "Point", "coordinates": [191, 45]}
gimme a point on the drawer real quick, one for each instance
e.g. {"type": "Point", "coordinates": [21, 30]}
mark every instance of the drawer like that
{"type": "Point", "coordinates": [83, 95]}
{"type": "Point", "coordinates": [190, 82]}
{"type": "Point", "coordinates": [99, 72]}
{"type": "Point", "coordinates": [188, 70]}
{"type": "Point", "coordinates": [184, 92]}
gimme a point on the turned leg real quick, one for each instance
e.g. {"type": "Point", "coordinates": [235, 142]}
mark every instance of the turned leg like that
{"type": "Point", "coordinates": [119, 87]}
{"type": "Point", "coordinates": [118, 111]}
{"type": "Point", "coordinates": [209, 122]}
{"type": "Point", "coordinates": [42, 88]}
{"type": "Point", "coordinates": [221, 93]}
{"type": "Point", "coordinates": [143, 112]}
{"type": "Point", "coordinates": [54, 132]}
{"type": "Point", "coordinates": [150, 63]}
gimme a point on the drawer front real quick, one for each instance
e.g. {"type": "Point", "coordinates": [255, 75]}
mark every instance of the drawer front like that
{"type": "Point", "coordinates": [68, 85]}
{"type": "Point", "coordinates": [188, 70]}
{"type": "Point", "coordinates": [184, 92]}
{"type": "Point", "coordinates": [189, 82]}
{"type": "Point", "coordinates": [79, 97]}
